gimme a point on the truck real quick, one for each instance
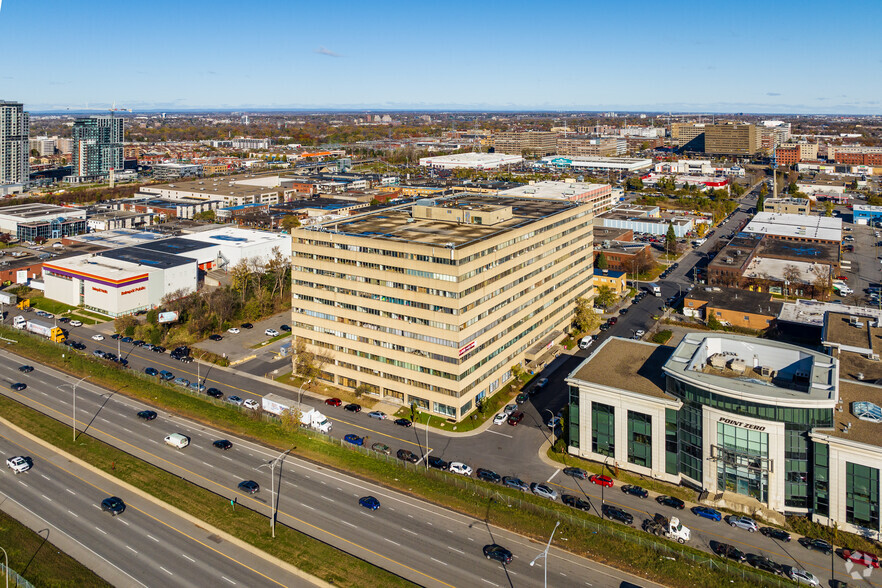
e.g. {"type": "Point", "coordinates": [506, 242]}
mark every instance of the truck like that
{"type": "Point", "coordinates": [41, 328]}
{"type": "Point", "coordinates": [309, 416]}
{"type": "Point", "coordinates": [177, 440]}
{"type": "Point", "coordinates": [654, 289]}
{"type": "Point", "coordinates": [664, 527]}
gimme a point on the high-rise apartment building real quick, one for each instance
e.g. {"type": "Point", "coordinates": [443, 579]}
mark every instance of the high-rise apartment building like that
{"type": "Point", "coordinates": [688, 136]}
{"type": "Point", "coordinates": [14, 147]}
{"type": "Point", "coordinates": [431, 304]}
{"type": "Point", "coordinates": [97, 146]}
{"type": "Point", "coordinates": [539, 143]}
{"type": "Point", "coordinates": [731, 139]}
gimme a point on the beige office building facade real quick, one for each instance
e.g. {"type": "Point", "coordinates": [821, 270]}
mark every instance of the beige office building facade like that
{"type": "Point", "coordinates": [431, 304]}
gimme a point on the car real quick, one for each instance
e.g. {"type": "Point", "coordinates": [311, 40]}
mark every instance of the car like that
{"type": "Point", "coordinates": [865, 558]}
{"type": "Point", "coordinates": [233, 331]}
{"type": "Point", "coordinates": [222, 444]}
{"type": "Point", "coordinates": [147, 415]}
{"type": "Point", "coordinates": [553, 422]}
{"type": "Point", "coordinates": [183, 382]}
{"type": "Point", "coordinates": [540, 384]}
{"type": "Point", "coordinates": [488, 475]}
{"type": "Point", "coordinates": [509, 408]}
{"type": "Point", "coordinates": [246, 326]}
{"type": "Point", "coordinates": [522, 398]}
{"type": "Point", "coordinates": [403, 423]}
{"type": "Point", "coordinates": [26, 369]}
{"type": "Point", "coordinates": [138, 343]}
{"type": "Point", "coordinates": [354, 439]}
{"type": "Point", "coordinates": [577, 473]}
{"type": "Point", "coordinates": [377, 414]}
{"type": "Point", "coordinates": [601, 480]}
{"type": "Point", "coordinates": [515, 483]}
{"type": "Point", "coordinates": [126, 340]}
{"type": "Point", "coordinates": [114, 505]}
{"type": "Point", "coordinates": [215, 337]}
{"type": "Point", "coordinates": [617, 514]}
{"type": "Point", "coordinates": [75, 323]}
{"type": "Point", "coordinates": [333, 401]}
{"type": "Point", "coordinates": [369, 502]}
{"type": "Point", "coordinates": [623, 311]}
{"type": "Point", "coordinates": [457, 467]}
{"type": "Point", "coordinates": [214, 393]}
{"type": "Point", "coordinates": [746, 523]}
{"type": "Point", "coordinates": [271, 333]}
{"type": "Point", "coordinates": [151, 371]}
{"type": "Point", "coordinates": [285, 328]}
{"type": "Point", "coordinates": [604, 327]}
{"type": "Point", "coordinates": [19, 464]}
{"type": "Point", "coordinates": [110, 356]}
{"type": "Point", "coordinates": [77, 345]}
{"type": "Point", "coordinates": [158, 349]}
{"type": "Point", "coordinates": [777, 534]}
{"type": "Point", "coordinates": [18, 386]}
{"type": "Point", "coordinates": [803, 577]}
{"type": "Point", "coordinates": [381, 448]}
{"type": "Point", "coordinates": [63, 319]}
{"type": "Point", "coordinates": [707, 513]}
{"type": "Point", "coordinates": [671, 501]}
{"type": "Point", "coordinates": [761, 562]}
{"type": "Point", "coordinates": [515, 417]}
{"type": "Point", "coordinates": [843, 278]}
{"type": "Point", "coordinates": [251, 404]}
{"type": "Point", "coordinates": [543, 490]}
{"type": "Point", "coordinates": [500, 419]}
{"type": "Point", "coordinates": [197, 387]}
{"type": "Point", "coordinates": [586, 342]}
{"type": "Point", "coordinates": [816, 544]}
{"type": "Point", "coordinates": [576, 502]}
{"type": "Point", "coordinates": [637, 491]}
{"type": "Point", "coordinates": [405, 455]}
{"type": "Point", "coordinates": [98, 337]}
{"type": "Point", "coordinates": [249, 486]}
{"type": "Point", "coordinates": [726, 550]}
{"type": "Point", "coordinates": [166, 375]}
{"type": "Point", "coordinates": [234, 400]}
{"type": "Point", "coordinates": [639, 333]}
{"type": "Point", "coordinates": [497, 552]}
{"type": "Point", "coordinates": [352, 407]}
{"type": "Point", "coordinates": [437, 463]}
{"type": "Point", "coordinates": [185, 359]}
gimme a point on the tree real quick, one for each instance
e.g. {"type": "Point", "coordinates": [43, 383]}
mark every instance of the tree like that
{"type": "Point", "coordinates": [760, 201]}
{"type": "Point", "coordinates": [671, 239]}
{"type": "Point", "coordinates": [738, 190]}
{"type": "Point", "coordinates": [278, 266]}
{"type": "Point", "coordinates": [290, 419]}
{"type": "Point", "coordinates": [605, 297]}
{"type": "Point", "coordinates": [701, 229]}
{"type": "Point", "coordinates": [239, 274]}
{"type": "Point", "coordinates": [601, 262]}
{"type": "Point", "coordinates": [828, 208]}
{"type": "Point", "coordinates": [290, 222]}
{"type": "Point", "coordinates": [712, 322]}
{"type": "Point", "coordinates": [205, 215]}
{"type": "Point", "coordinates": [821, 283]}
{"type": "Point", "coordinates": [764, 190]}
{"type": "Point", "coordinates": [792, 188]}
{"type": "Point", "coordinates": [634, 183]}
{"type": "Point", "coordinates": [363, 389]}
{"type": "Point", "coordinates": [792, 274]}
{"type": "Point", "coordinates": [584, 318]}
{"type": "Point", "coordinates": [125, 324]}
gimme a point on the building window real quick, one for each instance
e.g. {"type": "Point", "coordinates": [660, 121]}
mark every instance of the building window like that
{"type": "Point", "coordinates": [671, 445]}
{"type": "Point", "coordinates": [573, 419]}
{"type": "Point", "coordinates": [603, 429]}
{"type": "Point", "coordinates": [689, 435]}
{"type": "Point", "coordinates": [796, 468]}
{"type": "Point", "coordinates": [639, 439]}
{"type": "Point", "coordinates": [862, 495]}
{"type": "Point", "coordinates": [821, 474]}
{"type": "Point", "coordinates": [449, 411]}
{"type": "Point", "coordinates": [742, 461]}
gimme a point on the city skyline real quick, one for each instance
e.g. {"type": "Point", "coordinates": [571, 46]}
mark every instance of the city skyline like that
{"type": "Point", "coordinates": [764, 58]}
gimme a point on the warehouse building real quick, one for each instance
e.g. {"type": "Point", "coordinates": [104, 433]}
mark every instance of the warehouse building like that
{"type": "Point", "coordinates": [599, 196]}
{"type": "Point", "coordinates": [29, 221]}
{"type": "Point", "coordinates": [596, 164]}
{"type": "Point", "coordinates": [471, 161]}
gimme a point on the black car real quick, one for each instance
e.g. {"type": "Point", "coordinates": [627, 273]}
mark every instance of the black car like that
{"type": "Point", "coordinates": [214, 393]}
{"type": "Point", "coordinates": [497, 552]}
{"type": "Point", "coordinates": [633, 490]}
{"type": "Point", "coordinates": [110, 356]}
{"type": "Point", "coordinates": [778, 534]}
{"type": "Point", "coordinates": [246, 326]}
{"type": "Point", "coordinates": [352, 407]}
{"type": "Point", "coordinates": [222, 444]}
{"type": "Point", "coordinates": [215, 337]}
{"type": "Point", "coordinates": [577, 473]}
{"type": "Point", "coordinates": [405, 455]}
{"type": "Point", "coordinates": [158, 349]}
{"type": "Point", "coordinates": [249, 486]}
{"type": "Point", "coordinates": [138, 343]}
{"type": "Point", "coordinates": [763, 563]}
{"type": "Point", "coordinates": [576, 502]}
{"type": "Point", "coordinates": [522, 398]}
{"type": "Point", "coordinates": [403, 422]}
{"type": "Point", "coordinates": [151, 371]}
{"type": "Point", "coordinates": [726, 550]}
{"type": "Point", "coordinates": [26, 369]}
{"type": "Point", "coordinates": [18, 386]}
{"type": "Point", "coordinates": [63, 319]}
{"type": "Point", "coordinates": [77, 345]}
{"type": "Point", "coordinates": [624, 310]}
{"type": "Point", "coordinates": [285, 328]}
{"type": "Point", "coordinates": [604, 327]}
{"type": "Point", "coordinates": [126, 339]}
{"type": "Point", "coordinates": [113, 505]}
{"type": "Point", "coordinates": [816, 544]}
{"type": "Point", "coordinates": [671, 501]}
{"type": "Point", "coordinates": [115, 336]}
{"type": "Point", "coordinates": [488, 475]}
{"type": "Point", "coordinates": [185, 359]}
{"type": "Point", "coordinates": [147, 415]}
{"type": "Point", "coordinates": [617, 514]}
{"type": "Point", "coordinates": [437, 463]}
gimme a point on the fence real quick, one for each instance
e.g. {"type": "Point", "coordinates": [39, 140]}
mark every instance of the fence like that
{"type": "Point", "coordinates": [13, 576]}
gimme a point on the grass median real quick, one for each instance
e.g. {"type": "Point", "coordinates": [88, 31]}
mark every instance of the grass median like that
{"type": "Point", "coordinates": [40, 562]}
{"type": "Point", "coordinates": [624, 548]}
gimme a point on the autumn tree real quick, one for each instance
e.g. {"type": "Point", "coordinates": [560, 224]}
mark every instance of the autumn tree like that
{"type": "Point", "coordinates": [584, 318]}
{"type": "Point", "coordinates": [605, 297]}
{"type": "Point", "coordinates": [289, 222]}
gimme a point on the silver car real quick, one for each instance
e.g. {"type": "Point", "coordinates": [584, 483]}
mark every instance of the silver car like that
{"type": "Point", "coordinates": [543, 490]}
{"type": "Point", "coordinates": [746, 523]}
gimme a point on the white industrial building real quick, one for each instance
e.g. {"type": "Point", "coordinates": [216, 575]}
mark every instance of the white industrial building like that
{"type": "Point", "coordinates": [796, 227]}
{"type": "Point", "coordinates": [619, 164]}
{"type": "Point", "coordinates": [598, 195]}
{"type": "Point", "coordinates": [32, 214]}
{"type": "Point", "coordinates": [471, 161]}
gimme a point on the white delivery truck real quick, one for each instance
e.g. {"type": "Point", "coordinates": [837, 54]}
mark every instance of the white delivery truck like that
{"type": "Point", "coordinates": [664, 527]}
{"type": "Point", "coordinates": [177, 440]}
{"type": "Point", "coordinates": [309, 416]}
{"type": "Point", "coordinates": [655, 289]}
{"type": "Point", "coordinates": [51, 332]}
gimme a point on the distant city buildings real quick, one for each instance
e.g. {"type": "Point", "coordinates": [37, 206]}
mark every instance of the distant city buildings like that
{"type": "Point", "coordinates": [97, 147]}
{"type": "Point", "coordinates": [14, 148]}
{"type": "Point", "coordinates": [526, 142]}
{"type": "Point", "coordinates": [477, 161]}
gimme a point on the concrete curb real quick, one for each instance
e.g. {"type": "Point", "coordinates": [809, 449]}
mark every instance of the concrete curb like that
{"type": "Point", "coordinates": [134, 490]}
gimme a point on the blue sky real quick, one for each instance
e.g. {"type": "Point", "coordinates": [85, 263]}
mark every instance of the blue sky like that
{"type": "Point", "coordinates": [703, 56]}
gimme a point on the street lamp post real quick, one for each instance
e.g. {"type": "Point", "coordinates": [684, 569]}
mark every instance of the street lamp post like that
{"type": "Point", "coordinates": [300, 394]}
{"type": "Point", "coordinates": [74, 411]}
{"type": "Point", "coordinates": [7, 566]}
{"type": "Point", "coordinates": [428, 418]}
{"type": "Point", "coordinates": [552, 427]}
{"type": "Point", "coordinates": [544, 554]}
{"type": "Point", "coordinates": [272, 466]}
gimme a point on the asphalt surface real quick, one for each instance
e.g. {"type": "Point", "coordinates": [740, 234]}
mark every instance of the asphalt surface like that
{"type": "Point", "coordinates": [146, 545]}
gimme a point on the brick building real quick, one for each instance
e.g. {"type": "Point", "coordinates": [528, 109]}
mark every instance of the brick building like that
{"type": "Point", "coordinates": [730, 306]}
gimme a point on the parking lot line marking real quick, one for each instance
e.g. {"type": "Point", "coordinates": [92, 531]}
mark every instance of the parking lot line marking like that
{"type": "Point", "coordinates": [556, 472]}
{"type": "Point", "coordinates": [498, 433]}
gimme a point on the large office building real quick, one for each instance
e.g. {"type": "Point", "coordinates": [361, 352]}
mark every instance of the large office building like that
{"type": "Point", "coordinates": [47, 221]}
{"type": "Point", "coordinates": [596, 164]}
{"type": "Point", "coordinates": [731, 139]}
{"type": "Point", "coordinates": [14, 148]}
{"type": "Point", "coordinates": [525, 142]}
{"type": "Point", "coordinates": [97, 147]}
{"type": "Point", "coordinates": [430, 304]}
{"type": "Point", "coordinates": [599, 196]}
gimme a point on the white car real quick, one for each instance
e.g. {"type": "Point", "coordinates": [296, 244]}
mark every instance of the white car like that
{"type": "Point", "coordinates": [98, 337]}
{"type": "Point", "coordinates": [271, 333]}
{"type": "Point", "coordinates": [251, 404]}
{"type": "Point", "coordinates": [500, 419]}
{"type": "Point", "coordinates": [233, 330]}
{"type": "Point", "coordinates": [76, 323]}
{"type": "Point", "coordinates": [804, 577]}
{"type": "Point", "coordinates": [457, 467]}
{"type": "Point", "coordinates": [18, 464]}
{"type": "Point", "coordinates": [639, 332]}
{"type": "Point", "coordinates": [586, 342]}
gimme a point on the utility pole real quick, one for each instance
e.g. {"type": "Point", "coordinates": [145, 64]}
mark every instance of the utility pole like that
{"type": "Point", "coordinates": [272, 466]}
{"type": "Point", "coordinates": [544, 554]}
{"type": "Point", "coordinates": [73, 415]}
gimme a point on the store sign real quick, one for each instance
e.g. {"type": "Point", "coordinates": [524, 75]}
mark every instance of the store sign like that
{"type": "Point", "coordinates": [102, 290]}
{"type": "Point", "coordinates": [742, 424]}
{"type": "Point", "coordinates": [138, 289]}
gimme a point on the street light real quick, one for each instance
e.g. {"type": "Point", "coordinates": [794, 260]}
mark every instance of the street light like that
{"type": "Point", "coordinates": [300, 395]}
{"type": "Point", "coordinates": [544, 554]}
{"type": "Point", "coordinates": [428, 418]}
{"type": "Point", "coordinates": [272, 466]}
{"type": "Point", "coordinates": [73, 415]}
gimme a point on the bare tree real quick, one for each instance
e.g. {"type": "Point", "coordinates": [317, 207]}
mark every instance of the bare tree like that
{"type": "Point", "coordinates": [792, 274]}
{"type": "Point", "coordinates": [821, 282]}
{"type": "Point", "coordinates": [239, 274]}
{"type": "Point", "coordinates": [278, 265]}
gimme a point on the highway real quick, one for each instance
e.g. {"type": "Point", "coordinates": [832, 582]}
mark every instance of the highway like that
{"type": "Point", "coordinates": [146, 545]}
{"type": "Point", "coordinates": [425, 543]}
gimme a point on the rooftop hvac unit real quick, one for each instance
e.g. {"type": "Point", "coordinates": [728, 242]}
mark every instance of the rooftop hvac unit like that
{"type": "Point", "coordinates": [767, 371]}
{"type": "Point", "coordinates": [738, 365]}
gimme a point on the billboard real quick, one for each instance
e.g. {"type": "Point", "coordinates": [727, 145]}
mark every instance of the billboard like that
{"type": "Point", "coordinates": [168, 317]}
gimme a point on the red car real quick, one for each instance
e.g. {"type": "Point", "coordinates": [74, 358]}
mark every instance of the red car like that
{"type": "Point", "coordinates": [515, 417]}
{"type": "Point", "coordinates": [843, 278]}
{"type": "Point", "coordinates": [601, 480]}
{"type": "Point", "coordinates": [861, 557]}
{"type": "Point", "coordinates": [333, 402]}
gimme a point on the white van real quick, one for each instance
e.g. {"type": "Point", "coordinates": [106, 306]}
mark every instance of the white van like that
{"type": "Point", "coordinates": [586, 342]}
{"type": "Point", "coordinates": [177, 440]}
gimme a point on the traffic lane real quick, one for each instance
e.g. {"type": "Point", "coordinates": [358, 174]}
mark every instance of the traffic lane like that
{"type": "Point", "coordinates": [146, 541]}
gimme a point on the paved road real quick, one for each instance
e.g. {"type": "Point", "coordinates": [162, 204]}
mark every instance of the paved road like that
{"type": "Point", "coordinates": [146, 545]}
{"type": "Point", "coordinates": [427, 544]}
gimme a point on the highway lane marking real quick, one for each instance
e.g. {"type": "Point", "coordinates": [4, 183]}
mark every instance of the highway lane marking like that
{"type": "Point", "coordinates": [166, 571]}
{"type": "Point", "coordinates": [131, 549]}
{"type": "Point", "coordinates": [46, 497]}
{"type": "Point", "coordinates": [350, 524]}
{"type": "Point", "coordinates": [392, 542]}
{"type": "Point", "coordinates": [489, 582]}
{"type": "Point", "coordinates": [23, 484]}
{"type": "Point", "coordinates": [153, 538]}
{"type": "Point", "coordinates": [101, 530]}
{"type": "Point", "coordinates": [406, 530]}
{"type": "Point", "coordinates": [498, 433]}
{"type": "Point", "coordinates": [45, 477]}
{"type": "Point", "coordinates": [456, 550]}
{"type": "Point", "coordinates": [185, 556]}
{"type": "Point", "coordinates": [443, 563]}
{"type": "Point", "coordinates": [74, 514]}
{"type": "Point", "coordinates": [307, 506]}
{"type": "Point", "coordinates": [123, 522]}
{"type": "Point", "coordinates": [228, 580]}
